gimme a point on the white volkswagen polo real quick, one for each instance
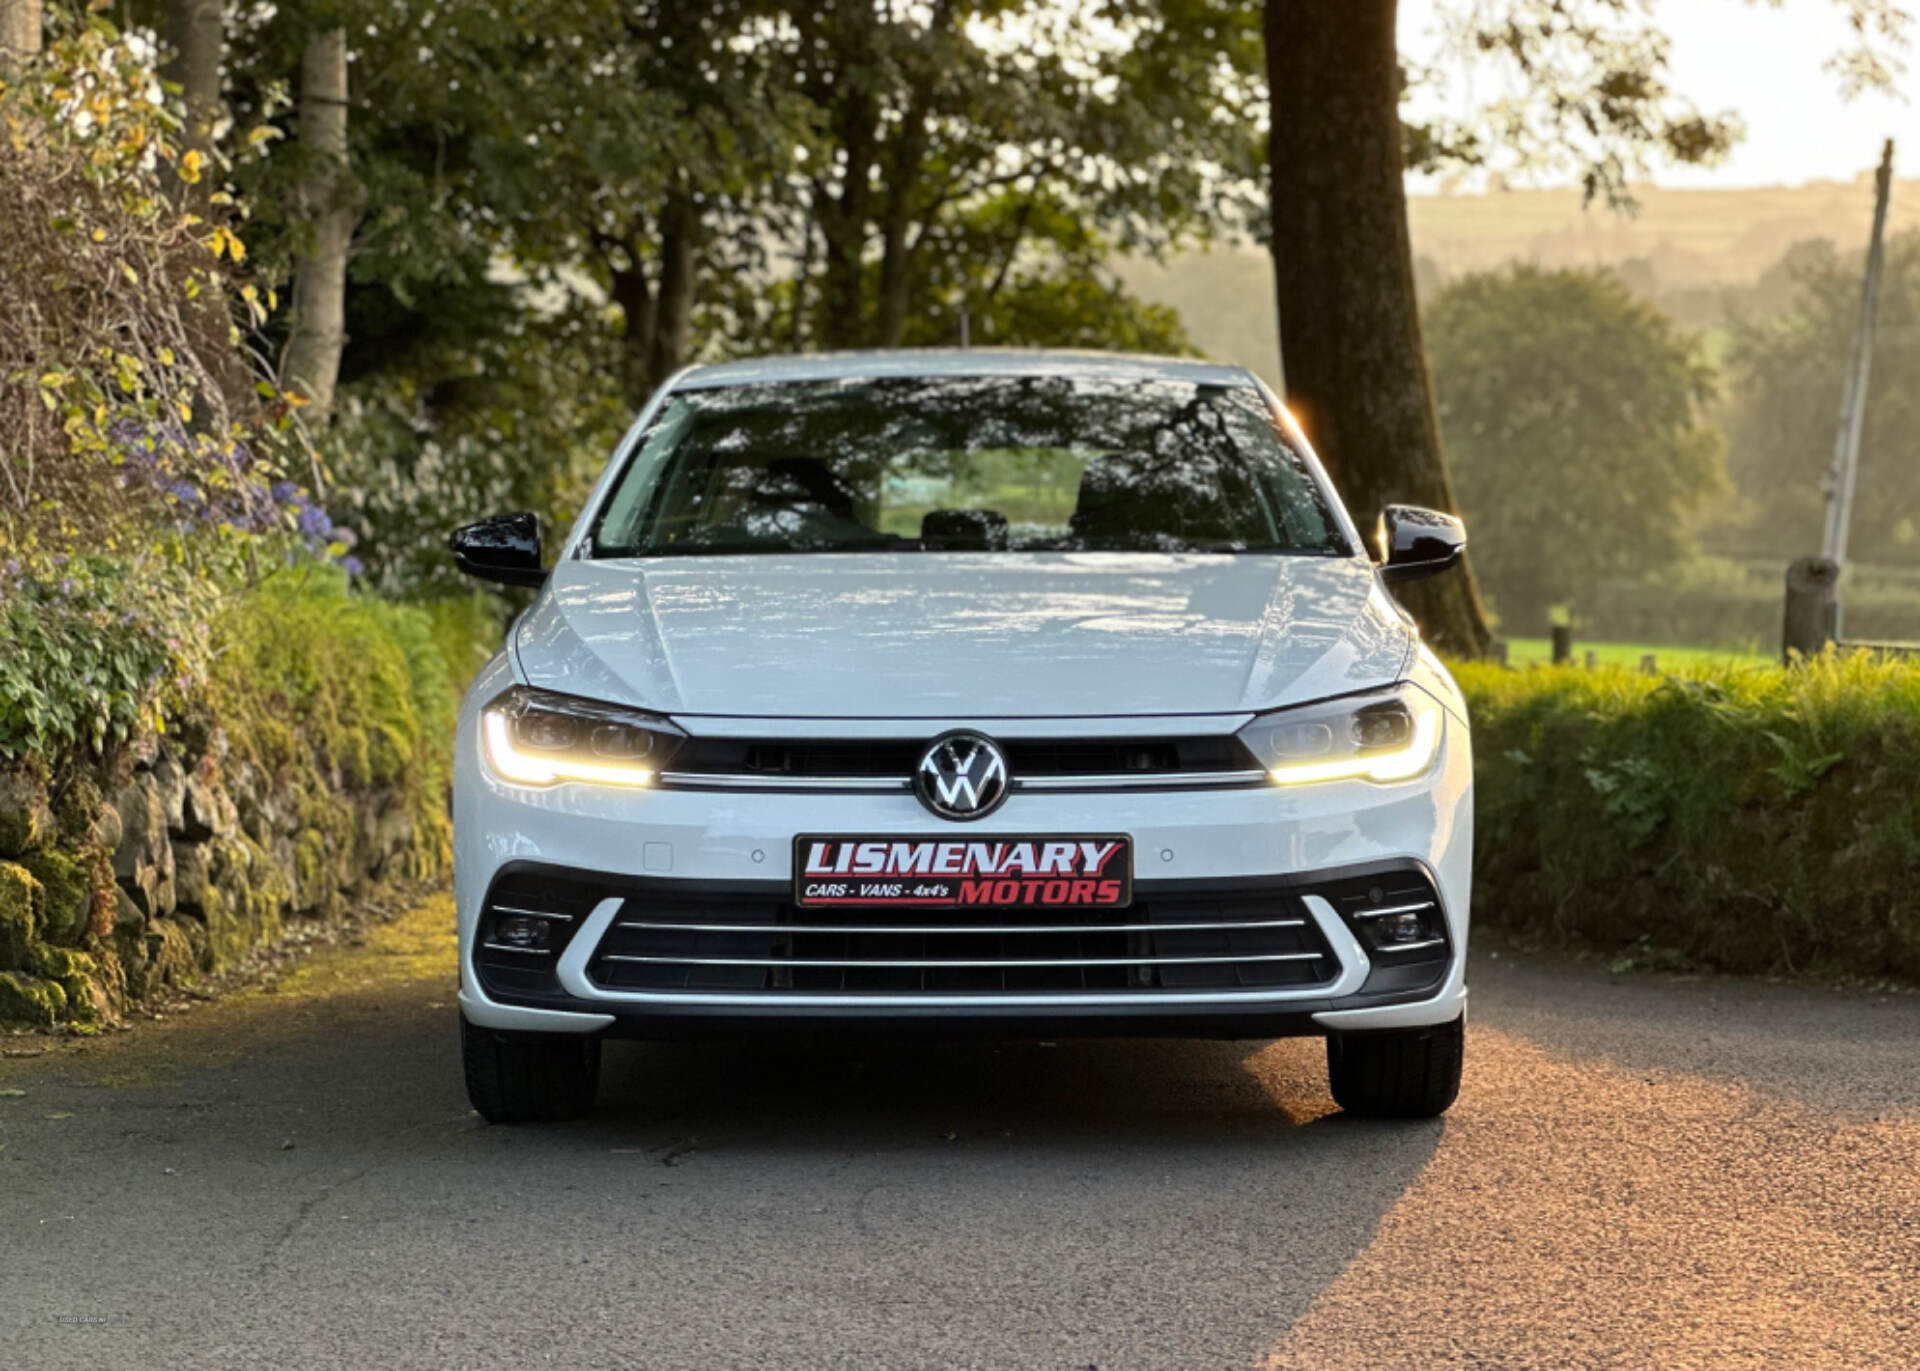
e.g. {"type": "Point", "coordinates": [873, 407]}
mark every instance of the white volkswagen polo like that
{"type": "Point", "coordinates": [998, 693]}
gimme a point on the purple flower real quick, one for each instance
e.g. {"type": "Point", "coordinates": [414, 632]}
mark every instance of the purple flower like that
{"type": "Point", "coordinates": [353, 566]}
{"type": "Point", "coordinates": [314, 522]}
{"type": "Point", "coordinates": [281, 491]}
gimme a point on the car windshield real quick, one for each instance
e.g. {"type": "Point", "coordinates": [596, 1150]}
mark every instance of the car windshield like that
{"type": "Point", "coordinates": [965, 463]}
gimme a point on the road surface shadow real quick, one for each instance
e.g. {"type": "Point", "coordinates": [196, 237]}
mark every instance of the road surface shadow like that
{"type": "Point", "coordinates": [1119, 1203]}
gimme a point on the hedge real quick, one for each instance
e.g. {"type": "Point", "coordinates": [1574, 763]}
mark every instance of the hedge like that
{"type": "Point", "coordinates": [305, 768]}
{"type": "Point", "coordinates": [1747, 819]}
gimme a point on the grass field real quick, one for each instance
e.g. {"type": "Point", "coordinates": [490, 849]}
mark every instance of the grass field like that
{"type": "Point", "coordinates": [1531, 651]}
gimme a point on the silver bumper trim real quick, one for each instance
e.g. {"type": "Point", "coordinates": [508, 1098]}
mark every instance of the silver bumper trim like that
{"type": "Point", "coordinates": [572, 972]}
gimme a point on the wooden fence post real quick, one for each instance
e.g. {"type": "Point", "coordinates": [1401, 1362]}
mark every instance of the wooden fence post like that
{"type": "Point", "coordinates": [1813, 608]}
{"type": "Point", "coordinates": [1562, 644]}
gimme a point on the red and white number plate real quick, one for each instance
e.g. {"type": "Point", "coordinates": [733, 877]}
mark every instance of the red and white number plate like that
{"type": "Point", "coordinates": [1054, 871]}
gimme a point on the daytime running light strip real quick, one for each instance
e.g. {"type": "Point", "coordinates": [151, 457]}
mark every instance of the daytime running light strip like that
{"type": "Point", "coordinates": [1401, 765]}
{"type": "Point", "coordinates": [525, 768]}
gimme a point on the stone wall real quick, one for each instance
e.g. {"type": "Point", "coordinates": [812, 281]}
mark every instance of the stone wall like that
{"type": "Point", "coordinates": [178, 861]}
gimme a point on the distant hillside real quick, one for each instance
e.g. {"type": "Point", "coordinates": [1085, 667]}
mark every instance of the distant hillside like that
{"type": "Point", "coordinates": [1683, 247]}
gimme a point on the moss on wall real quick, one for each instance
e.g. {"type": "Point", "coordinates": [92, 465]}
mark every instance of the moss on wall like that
{"type": "Point", "coordinates": [312, 767]}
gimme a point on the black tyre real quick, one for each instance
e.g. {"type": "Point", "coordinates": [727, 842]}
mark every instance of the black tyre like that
{"type": "Point", "coordinates": [542, 1078]}
{"type": "Point", "coordinates": [1410, 1073]}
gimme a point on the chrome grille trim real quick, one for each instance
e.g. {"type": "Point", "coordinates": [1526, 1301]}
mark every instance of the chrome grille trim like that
{"type": "Point", "coordinates": [1393, 909]}
{"type": "Point", "coordinates": [880, 785]}
{"type": "Point", "coordinates": [941, 930]}
{"type": "Point", "coordinates": [942, 964]}
{"type": "Point", "coordinates": [1350, 966]}
{"type": "Point", "coordinates": [843, 785]}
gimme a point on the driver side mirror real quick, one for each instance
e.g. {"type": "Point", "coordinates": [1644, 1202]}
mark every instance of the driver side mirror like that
{"type": "Point", "coordinates": [505, 548]}
{"type": "Point", "coordinates": [1416, 542]}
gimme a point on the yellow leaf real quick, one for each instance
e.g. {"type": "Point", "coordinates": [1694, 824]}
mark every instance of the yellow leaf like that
{"type": "Point", "coordinates": [235, 248]}
{"type": "Point", "coordinates": [130, 273]}
{"type": "Point", "coordinates": [166, 357]}
{"type": "Point", "coordinates": [184, 410]}
{"type": "Point", "coordinates": [190, 166]}
{"type": "Point", "coordinates": [260, 133]}
{"type": "Point", "coordinates": [295, 399]}
{"type": "Point", "coordinates": [249, 294]}
{"type": "Point", "coordinates": [99, 235]}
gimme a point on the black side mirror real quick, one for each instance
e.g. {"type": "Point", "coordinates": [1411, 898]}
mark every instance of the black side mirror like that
{"type": "Point", "coordinates": [1418, 542]}
{"type": "Point", "coordinates": [505, 548]}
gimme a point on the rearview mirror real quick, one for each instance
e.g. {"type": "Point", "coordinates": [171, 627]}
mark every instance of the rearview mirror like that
{"type": "Point", "coordinates": [1416, 542]}
{"type": "Point", "coordinates": [505, 548]}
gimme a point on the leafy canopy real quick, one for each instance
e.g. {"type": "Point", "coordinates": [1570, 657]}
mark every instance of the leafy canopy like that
{"type": "Point", "coordinates": [1787, 371]}
{"type": "Point", "coordinates": [1571, 413]}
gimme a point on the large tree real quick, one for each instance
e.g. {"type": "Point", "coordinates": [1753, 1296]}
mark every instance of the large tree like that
{"type": "Point", "coordinates": [1572, 413]}
{"type": "Point", "coordinates": [1133, 116]}
{"type": "Point", "coordinates": [1582, 88]}
{"type": "Point", "coordinates": [1787, 372]}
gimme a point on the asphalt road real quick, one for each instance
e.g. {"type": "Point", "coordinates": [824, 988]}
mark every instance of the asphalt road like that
{"type": "Point", "coordinates": [1641, 1172]}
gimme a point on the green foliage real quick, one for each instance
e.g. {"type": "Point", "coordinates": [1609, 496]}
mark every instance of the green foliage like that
{"type": "Point", "coordinates": [125, 398]}
{"type": "Point", "coordinates": [521, 419]}
{"type": "Point", "coordinates": [546, 238]}
{"type": "Point", "coordinates": [313, 677]}
{"type": "Point", "coordinates": [1571, 416]}
{"type": "Point", "coordinates": [467, 629]}
{"type": "Point", "coordinates": [1787, 372]}
{"type": "Point", "coordinates": [89, 648]}
{"type": "Point", "coordinates": [1748, 818]}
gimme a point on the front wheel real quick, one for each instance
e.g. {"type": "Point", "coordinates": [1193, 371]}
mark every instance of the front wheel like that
{"type": "Point", "coordinates": [1402, 1073]}
{"type": "Point", "coordinates": [529, 1079]}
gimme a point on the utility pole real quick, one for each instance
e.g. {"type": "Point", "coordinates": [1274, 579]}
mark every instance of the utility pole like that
{"type": "Point", "coordinates": [1853, 398]}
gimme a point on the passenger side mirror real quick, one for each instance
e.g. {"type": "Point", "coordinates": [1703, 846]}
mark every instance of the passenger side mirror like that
{"type": "Point", "coordinates": [505, 548]}
{"type": "Point", "coordinates": [1416, 542]}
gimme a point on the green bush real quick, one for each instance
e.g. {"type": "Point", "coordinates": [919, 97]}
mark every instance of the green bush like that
{"type": "Point", "coordinates": [1751, 819]}
{"type": "Point", "coordinates": [343, 691]}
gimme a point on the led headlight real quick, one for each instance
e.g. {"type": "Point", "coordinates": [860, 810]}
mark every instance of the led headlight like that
{"type": "Point", "coordinates": [536, 737]}
{"type": "Point", "coordinates": [1390, 736]}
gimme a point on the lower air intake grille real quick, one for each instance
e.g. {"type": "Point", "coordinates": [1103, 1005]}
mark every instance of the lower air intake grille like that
{"type": "Point", "coordinates": [660, 941]}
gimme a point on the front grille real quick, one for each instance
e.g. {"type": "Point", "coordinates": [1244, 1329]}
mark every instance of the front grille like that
{"type": "Point", "coordinates": [1239, 941]}
{"type": "Point", "coordinates": [897, 757]}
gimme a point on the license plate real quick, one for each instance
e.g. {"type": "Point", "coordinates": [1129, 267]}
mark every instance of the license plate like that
{"type": "Point", "coordinates": [1054, 871]}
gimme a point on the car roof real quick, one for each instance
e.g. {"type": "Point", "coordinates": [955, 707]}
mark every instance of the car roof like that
{"type": "Point", "coordinates": [837, 366]}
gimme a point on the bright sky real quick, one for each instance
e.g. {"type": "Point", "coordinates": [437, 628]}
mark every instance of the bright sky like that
{"type": "Point", "coordinates": [1766, 65]}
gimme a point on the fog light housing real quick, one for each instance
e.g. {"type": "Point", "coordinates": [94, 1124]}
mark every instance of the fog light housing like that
{"type": "Point", "coordinates": [522, 933]}
{"type": "Point", "coordinates": [1405, 927]}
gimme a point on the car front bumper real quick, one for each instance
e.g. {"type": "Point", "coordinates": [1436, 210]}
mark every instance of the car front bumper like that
{"type": "Point", "coordinates": [1298, 845]}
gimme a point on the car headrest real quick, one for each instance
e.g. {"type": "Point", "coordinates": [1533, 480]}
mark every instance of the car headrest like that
{"type": "Point", "coordinates": [963, 530]}
{"type": "Point", "coordinates": [1130, 499]}
{"type": "Point", "coordinates": [811, 478]}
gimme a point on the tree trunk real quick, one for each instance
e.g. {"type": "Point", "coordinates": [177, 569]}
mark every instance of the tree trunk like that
{"type": "Point", "coordinates": [679, 249]}
{"type": "Point", "coordinates": [195, 32]}
{"type": "Point", "coordinates": [633, 292]}
{"type": "Point", "coordinates": [1356, 373]}
{"type": "Point", "coordinates": [19, 32]}
{"type": "Point", "coordinates": [326, 200]}
{"type": "Point", "coordinates": [904, 160]}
